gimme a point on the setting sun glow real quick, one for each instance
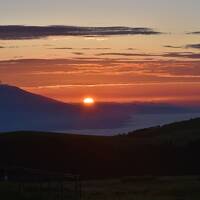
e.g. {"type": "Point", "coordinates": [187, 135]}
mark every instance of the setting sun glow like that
{"type": "Point", "coordinates": [88, 101]}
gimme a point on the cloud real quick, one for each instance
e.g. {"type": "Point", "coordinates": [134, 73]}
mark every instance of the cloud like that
{"type": "Point", "coordinates": [194, 33]}
{"type": "Point", "coordinates": [130, 49]}
{"type": "Point", "coordinates": [10, 47]}
{"type": "Point", "coordinates": [62, 48]}
{"type": "Point", "coordinates": [100, 48]}
{"type": "Point", "coordinates": [84, 48]}
{"type": "Point", "coordinates": [78, 53]}
{"type": "Point", "coordinates": [193, 46]}
{"type": "Point", "coordinates": [19, 32]}
{"type": "Point", "coordinates": [172, 47]}
{"type": "Point", "coordinates": [121, 70]}
{"type": "Point", "coordinates": [125, 54]}
{"type": "Point", "coordinates": [189, 55]}
{"type": "Point", "coordinates": [103, 48]}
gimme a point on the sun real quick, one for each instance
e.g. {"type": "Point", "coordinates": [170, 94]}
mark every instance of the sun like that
{"type": "Point", "coordinates": [88, 101]}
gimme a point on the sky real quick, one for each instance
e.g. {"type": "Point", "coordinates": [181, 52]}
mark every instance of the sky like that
{"type": "Point", "coordinates": [171, 15]}
{"type": "Point", "coordinates": [117, 62]}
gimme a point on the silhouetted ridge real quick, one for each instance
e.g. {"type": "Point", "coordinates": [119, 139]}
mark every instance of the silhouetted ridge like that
{"type": "Point", "coordinates": [104, 157]}
{"type": "Point", "coordinates": [177, 131]}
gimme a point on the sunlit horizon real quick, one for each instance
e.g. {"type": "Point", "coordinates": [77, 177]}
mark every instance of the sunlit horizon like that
{"type": "Point", "coordinates": [142, 54]}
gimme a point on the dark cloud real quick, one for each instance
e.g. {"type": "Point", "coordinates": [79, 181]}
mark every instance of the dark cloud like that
{"type": "Point", "coordinates": [62, 48]}
{"type": "Point", "coordinates": [193, 46]}
{"type": "Point", "coordinates": [172, 47]}
{"type": "Point", "coordinates": [70, 48]}
{"type": "Point", "coordinates": [125, 54]}
{"type": "Point", "coordinates": [96, 48]}
{"type": "Point", "coordinates": [195, 32]}
{"type": "Point", "coordinates": [86, 48]}
{"type": "Point", "coordinates": [18, 32]}
{"type": "Point", "coordinates": [106, 48]}
{"type": "Point", "coordinates": [9, 47]}
{"type": "Point", "coordinates": [189, 55]}
{"type": "Point", "coordinates": [78, 53]}
{"type": "Point", "coordinates": [130, 49]}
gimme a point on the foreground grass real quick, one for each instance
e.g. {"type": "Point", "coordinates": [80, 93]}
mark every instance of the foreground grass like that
{"type": "Point", "coordinates": [130, 188]}
{"type": "Point", "coordinates": [37, 191]}
{"type": "Point", "coordinates": [146, 188]}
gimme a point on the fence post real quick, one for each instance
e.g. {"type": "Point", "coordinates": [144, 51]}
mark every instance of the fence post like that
{"type": "Point", "coordinates": [80, 188]}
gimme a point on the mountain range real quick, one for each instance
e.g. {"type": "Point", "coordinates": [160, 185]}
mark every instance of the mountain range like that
{"type": "Point", "coordinates": [22, 110]}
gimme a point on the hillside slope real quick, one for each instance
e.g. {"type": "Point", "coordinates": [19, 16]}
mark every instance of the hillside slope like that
{"type": "Point", "coordinates": [178, 132]}
{"type": "Point", "coordinates": [103, 157]}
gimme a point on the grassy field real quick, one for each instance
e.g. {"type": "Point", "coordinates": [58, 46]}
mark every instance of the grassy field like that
{"type": "Point", "coordinates": [130, 188]}
{"type": "Point", "coordinates": [38, 191]}
{"type": "Point", "coordinates": [160, 151]}
{"type": "Point", "coordinates": [146, 188]}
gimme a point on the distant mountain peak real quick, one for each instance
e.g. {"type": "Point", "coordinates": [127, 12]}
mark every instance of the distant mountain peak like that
{"type": "Point", "coordinates": [17, 94]}
{"type": "Point", "coordinates": [23, 110]}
